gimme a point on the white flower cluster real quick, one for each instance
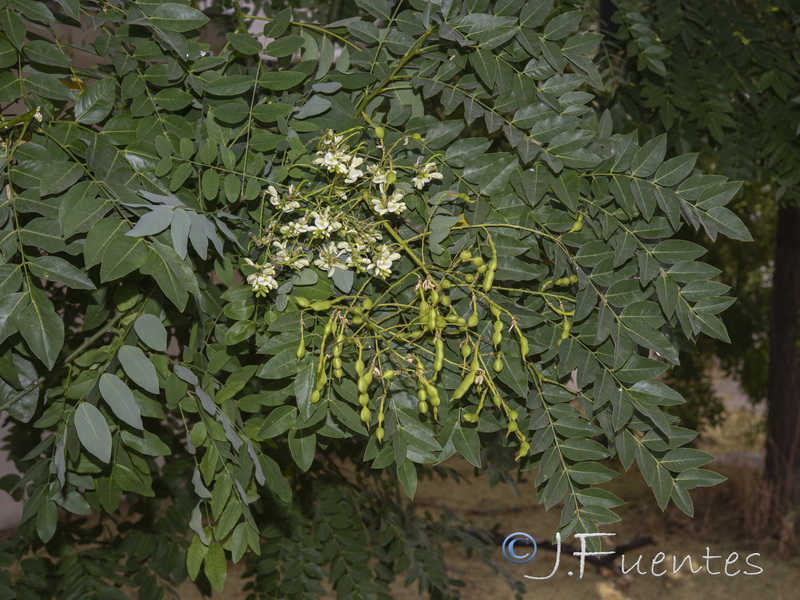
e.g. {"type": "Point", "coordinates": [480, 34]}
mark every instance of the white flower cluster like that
{"type": "Point", "coordinates": [263, 279]}
{"type": "Point", "coordinates": [316, 228]}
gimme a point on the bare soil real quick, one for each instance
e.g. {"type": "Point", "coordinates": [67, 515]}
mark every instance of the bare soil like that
{"type": "Point", "coordinates": [729, 518]}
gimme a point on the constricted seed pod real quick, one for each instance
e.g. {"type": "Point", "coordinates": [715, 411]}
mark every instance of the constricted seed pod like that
{"type": "Point", "coordinates": [366, 415]}
{"type": "Point", "coordinates": [423, 407]}
{"type": "Point", "coordinates": [321, 305]}
{"type": "Point", "coordinates": [315, 395]}
{"type": "Point", "coordinates": [497, 338]}
{"type": "Point", "coordinates": [380, 433]}
{"type": "Point", "coordinates": [302, 302]}
{"type": "Point", "coordinates": [362, 385]}
{"type": "Point", "coordinates": [488, 281]}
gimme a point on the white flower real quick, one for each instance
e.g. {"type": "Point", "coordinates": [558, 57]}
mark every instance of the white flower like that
{"type": "Point", "coordinates": [425, 174]}
{"type": "Point", "coordinates": [379, 174]}
{"type": "Point", "coordinates": [290, 257]}
{"type": "Point", "coordinates": [296, 228]}
{"type": "Point", "coordinates": [393, 204]}
{"type": "Point", "coordinates": [263, 279]}
{"type": "Point", "coordinates": [330, 258]}
{"type": "Point", "coordinates": [381, 263]}
{"type": "Point", "coordinates": [324, 225]}
{"type": "Point", "coordinates": [354, 172]}
{"type": "Point", "coordinates": [38, 115]}
{"type": "Point", "coordinates": [286, 205]}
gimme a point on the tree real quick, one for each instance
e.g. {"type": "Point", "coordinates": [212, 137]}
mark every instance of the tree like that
{"type": "Point", "coordinates": [314, 264]}
{"type": "Point", "coordinates": [722, 78]}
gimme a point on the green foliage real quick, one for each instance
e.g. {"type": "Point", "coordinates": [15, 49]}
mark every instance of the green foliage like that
{"type": "Point", "coordinates": [261, 270]}
{"type": "Point", "coordinates": [720, 78]}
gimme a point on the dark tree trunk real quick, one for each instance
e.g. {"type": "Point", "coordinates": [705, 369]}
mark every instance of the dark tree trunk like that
{"type": "Point", "coordinates": [783, 420]}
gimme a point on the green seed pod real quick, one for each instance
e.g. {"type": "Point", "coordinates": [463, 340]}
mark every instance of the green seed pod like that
{"type": "Point", "coordinates": [498, 325]}
{"type": "Point", "coordinates": [423, 407]}
{"type": "Point", "coordinates": [338, 373]}
{"type": "Point", "coordinates": [434, 296]}
{"type": "Point", "coordinates": [440, 322]}
{"type": "Point", "coordinates": [493, 264]}
{"type": "Point", "coordinates": [465, 350]}
{"type": "Point", "coordinates": [302, 302]}
{"type": "Point", "coordinates": [366, 415]}
{"type": "Point", "coordinates": [524, 448]}
{"type": "Point", "coordinates": [379, 133]}
{"type": "Point", "coordinates": [523, 345]}
{"type": "Point", "coordinates": [433, 395]}
{"type": "Point", "coordinates": [445, 300]}
{"type": "Point", "coordinates": [438, 345]}
{"type": "Point", "coordinates": [473, 319]}
{"type": "Point", "coordinates": [363, 399]}
{"type": "Point", "coordinates": [469, 278]}
{"type": "Point", "coordinates": [498, 365]}
{"type": "Point", "coordinates": [367, 304]}
{"type": "Point", "coordinates": [482, 269]}
{"type": "Point", "coordinates": [337, 362]}
{"type": "Point", "coordinates": [339, 345]}
{"type": "Point", "coordinates": [380, 433]}
{"type": "Point", "coordinates": [512, 427]}
{"type": "Point", "coordinates": [513, 415]}
{"type": "Point", "coordinates": [321, 305]}
{"type": "Point", "coordinates": [380, 417]}
{"type": "Point", "coordinates": [565, 328]}
{"type": "Point", "coordinates": [368, 377]}
{"type": "Point", "coordinates": [359, 366]}
{"type": "Point", "coordinates": [432, 314]}
{"type": "Point", "coordinates": [357, 320]}
{"type": "Point", "coordinates": [470, 417]}
{"type": "Point", "coordinates": [422, 395]}
{"type": "Point", "coordinates": [328, 327]}
{"type": "Point", "coordinates": [465, 255]}
{"type": "Point", "coordinates": [362, 385]}
{"type": "Point", "coordinates": [388, 375]}
{"type": "Point", "coordinates": [495, 310]}
{"type": "Point", "coordinates": [461, 321]}
{"type": "Point", "coordinates": [497, 400]}
{"type": "Point", "coordinates": [488, 281]}
{"type": "Point", "coordinates": [445, 284]}
{"type": "Point", "coordinates": [464, 386]}
{"type": "Point", "coordinates": [391, 177]}
{"type": "Point", "coordinates": [573, 279]}
{"type": "Point", "coordinates": [315, 395]}
{"type": "Point", "coordinates": [322, 379]}
{"type": "Point", "coordinates": [477, 261]}
{"type": "Point", "coordinates": [497, 338]}
{"type": "Point", "coordinates": [301, 350]}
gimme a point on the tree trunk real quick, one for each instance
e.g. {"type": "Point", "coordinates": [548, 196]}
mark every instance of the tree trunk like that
{"type": "Point", "coordinates": [783, 420]}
